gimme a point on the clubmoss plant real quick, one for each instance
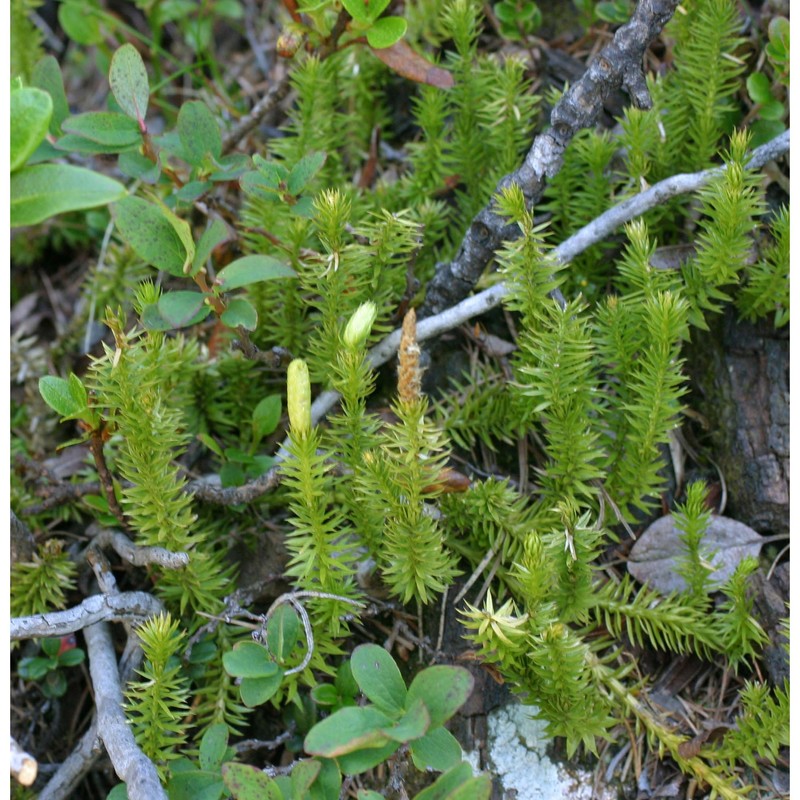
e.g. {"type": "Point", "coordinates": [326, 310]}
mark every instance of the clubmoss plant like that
{"type": "Point", "coordinates": [324, 257]}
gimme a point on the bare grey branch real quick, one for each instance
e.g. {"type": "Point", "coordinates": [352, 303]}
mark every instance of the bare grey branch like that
{"type": "Point", "coordinates": [139, 555]}
{"type": "Point", "coordinates": [130, 763]}
{"type": "Point", "coordinates": [123, 607]}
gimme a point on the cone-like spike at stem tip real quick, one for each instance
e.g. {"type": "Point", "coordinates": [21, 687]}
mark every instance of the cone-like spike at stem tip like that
{"type": "Point", "coordinates": [409, 374]}
{"type": "Point", "coordinates": [360, 325]}
{"type": "Point", "coordinates": [299, 397]}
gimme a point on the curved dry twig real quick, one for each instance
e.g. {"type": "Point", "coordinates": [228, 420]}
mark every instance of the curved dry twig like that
{"type": "Point", "coordinates": [138, 555]}
{"type": "Point", "coordinates": [124, 607]}
{"type": "Point", "coordinates": [256, 114]}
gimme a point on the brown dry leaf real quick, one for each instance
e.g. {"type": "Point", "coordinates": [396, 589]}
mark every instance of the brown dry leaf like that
{"type": "Point", "coordinates": [407, 62]}
{"type": "Point", "coordinates": [655, 557]}
{"type": "Point", "coordinates": [713, 732]}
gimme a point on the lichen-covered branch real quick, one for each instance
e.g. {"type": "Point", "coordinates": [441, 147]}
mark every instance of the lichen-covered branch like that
{"type": "Point", "coordinates": [138, 555]}
{"type": "Point", "coordinates": [123, 607]}
{"type": "Point", "coordinates": [130, 763]}
{"type": "Point", "coordinates": [619, 64]}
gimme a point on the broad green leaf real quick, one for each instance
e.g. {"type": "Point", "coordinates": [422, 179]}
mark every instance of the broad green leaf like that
{"type": "Point", "coordinates": [345, 682]}
{"type": "Point", "coordinates": [152, 320]}
{"type": "Point", "coordinates": [73, 657]}
{"type": "Point", "coordinates": [304, 207]}
{"type": "Point", "coordinates": [79, 23]}
{"type": "Point", "coordinates": [104, 127]}
{"type": "Point", "coordinates": [195, 785]}
{"type": "Point", "coordinates": [260, 464]}
{"type": "Point", "coordinates": [193, 190]}
{"type": "Point", "coordinates": [773, 110]}
{"type": "Point", "coordinates": [256, 691]}
{"type": "Point", "coordinates": [72, 143]}
{"type": "Point", "coordinates": [47, 76]}
{"type": "Point", "coordinates": [205, 650]}
{"type": "Point", "coordinates": [129, 84]}
{"type": "Point", "coordinates": [34, 668]}
{"type": "Point", "coordinates": [266, 416]}
{"type": "Point", "coordinates": [31, 111]}
{"type": "Point", "coordinates": [231, 9]}
{"type": "Point", "coordinates": [303, 775]}
{"type": "Point", "coordinates": [378, 677]}
{"type": "Point", "coordinates": [283, 630]}
{"type": "Point", "coordinates": [438, 749]}
{"type": "Point", "coordinates": [230, 167]}
{"type": "Point", "coordinates": [44, 152]}
{"type": "Point", "coordinates": [135, 165]}
{"type": "Point", "coordinates": [761, 132]}
{"type": "Point", "coordinates": [184, 231]}
{"type": "Point", "coordinates": [149, 231]}
{"type": "Point", "coordinates": [45, 190]}
{"type": "Point", "coordinates": [443, 689]}
{"type": "Point", "coordinates": [348, 730]}
{"type": "Point", "coordinates": [361, 760]}
{"type": "Point", "coordinates": [240, 313]}
{"type": "Point", "coordinates": [305, 169]}
{"type": "Point", "coordinates": [61, 396]}
{"type": "Point", "coordinates": [184, 308]}
{"type": "Point", "coordinates": [324, 694]}
{"type": "Point", "coordinates": [252, 269]}
{"type": "Point", "coordinates": [169, 144]}
{"type": "Point", "coordinates": [199, 132]}
{"type": "Point", "coordinates": [51, 645]}
{"type": "Point", "coordinates": [119, 792]}
{"type": "Point", "coordinates": [386, 32]}
{"type": "Point", "coordinates": [368, 794]}
{"type": "Point", "coordinates": [758, 87]}
{"type": "Point", "coordinates": [249, 783]}
{"type": "Point", "coordinates": [271, 171]}
{"type": "Point", "coordinates": [328, 785]}
{"type": "Point", "coordinates": [458, 784]}
{"type": "Point", "coordinates": [231, 475]}
{"type": "Point", "coordinates": [215, 234]}
{"type": "Point", "coordinates": [412, 725]}
{"type": "Point", "coordinates": [365, 12]}
{"type": "Point", "coordinates": [249, 660]}
{"type": "Point", "coordinates": [213, 746]}
{"type": "Point", "coordinates": [253, 184]}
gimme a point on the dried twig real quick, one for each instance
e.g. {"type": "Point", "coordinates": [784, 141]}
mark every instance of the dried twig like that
{"type": "Point", "coordinates": [233, 495]}
{"type": "Point", "coordinates": [138, 555]}
{"type": "Point", "coordinates": [130, 763]}
{"type": "Point", "coordinates": [24, 766]}
{"type": "Point", "coordinates": [256, 114]}
{"type": "Point", "coordinates": [619, 64]}
{"type": "Point", "coordinates": [123, 607]}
